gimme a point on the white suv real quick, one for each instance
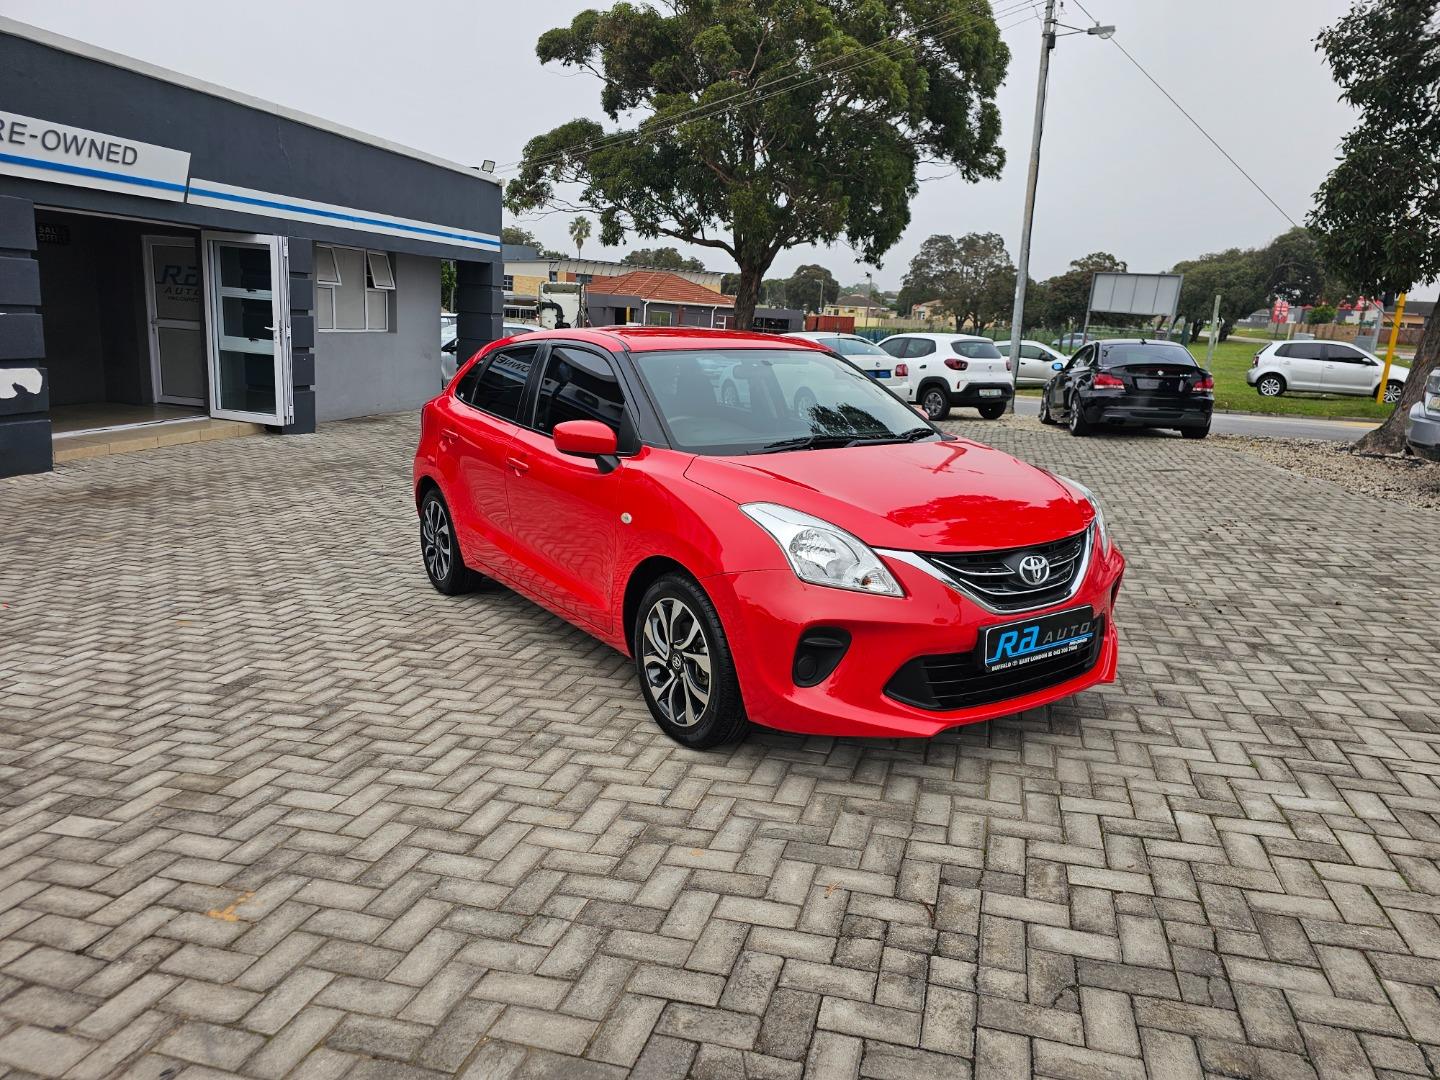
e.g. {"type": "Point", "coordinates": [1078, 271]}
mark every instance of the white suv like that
{"type": "Point", "coordinates": [942, 371]}
{"type": "Point", "coordinates": [1328, 367]}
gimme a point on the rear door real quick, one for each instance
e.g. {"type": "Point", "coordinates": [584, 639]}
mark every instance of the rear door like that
{"type": "Point", "coordinates": [479, 425]}
{"type": "Point", "coordinates": [1303, 364]}
{"type": "Point", "coordinates": [1059, 389]}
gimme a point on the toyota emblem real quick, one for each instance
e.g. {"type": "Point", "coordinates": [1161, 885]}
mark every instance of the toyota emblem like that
{"type": "Point", "coordinates": [1034, 569]}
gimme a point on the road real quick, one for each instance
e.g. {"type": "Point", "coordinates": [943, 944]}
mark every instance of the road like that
{"type": "Point", "coordinates": [1275, 427]}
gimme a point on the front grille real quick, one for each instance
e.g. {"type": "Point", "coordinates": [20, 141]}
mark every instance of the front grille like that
{"type": "Point", "coordinates": [960, 681]}
{"type": "Point", "coordinates": [993, 577]}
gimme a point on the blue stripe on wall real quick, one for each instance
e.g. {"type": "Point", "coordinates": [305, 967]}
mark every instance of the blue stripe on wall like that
{"type": "Point", "coordinates": [82, 170]}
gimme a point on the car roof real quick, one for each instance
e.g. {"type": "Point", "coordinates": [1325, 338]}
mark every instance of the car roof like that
{"type": "Point", "coordinates": [816, 335]}
{"type": "Point", "coordinates": [657, 338]}
{"type": "Point", "coordinates": [938, 336]}
{"type": "Point", "coordinates": [1140, 341]}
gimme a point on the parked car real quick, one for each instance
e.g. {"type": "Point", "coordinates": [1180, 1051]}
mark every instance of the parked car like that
{"type": "Point", "coordinates": [845, 570]}
{"type": "Point", "coordinates": [448, 322]}
{"type": "Point", "coordinates": [449, 361]}
{"type": "Point", "coordinates": [1422, 428]}
{"type": "Point", "coordinates": [862, 352]}
{"type": "Point", "coordinates": [1328, 367]}
{"type": "Point", "coordinates": [1154, 384]}
{"type": "Point", "coordinates": [939, 372]}
{"type": "Point", "coordinates": [1037, 362]}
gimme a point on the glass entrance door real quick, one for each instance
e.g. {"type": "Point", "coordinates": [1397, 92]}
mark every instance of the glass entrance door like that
{"type": "Point", "coordinates": [175, 305]}
{"type": "Point", "coordinates": [247, 310]}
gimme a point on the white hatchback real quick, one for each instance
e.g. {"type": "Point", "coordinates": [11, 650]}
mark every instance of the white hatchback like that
{"type": "Point", "coordinates": [862, 352]}
{"type": "Point", "coordinates": [939, 372]}
{"type": "Point", "coordinates": [1327, 367]}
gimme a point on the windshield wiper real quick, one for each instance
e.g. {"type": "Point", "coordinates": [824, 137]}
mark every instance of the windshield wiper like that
{"type": "Point", "coordinates": [913, 435]}
{"type": "Point", "coordinates": [804, 442]}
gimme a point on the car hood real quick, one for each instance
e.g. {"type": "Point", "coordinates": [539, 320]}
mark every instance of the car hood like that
{"type": "Point", "coordinates": [931, 496]}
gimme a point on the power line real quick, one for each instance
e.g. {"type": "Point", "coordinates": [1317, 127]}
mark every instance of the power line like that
{"type": "Point", "coordinates": [853, 59]}
{"type": "Point", "coordinates": [1196, 123]}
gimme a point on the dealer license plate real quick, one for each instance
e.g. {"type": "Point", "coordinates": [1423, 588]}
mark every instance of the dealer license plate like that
{"type": "Point", "coordinates": [1013, 645]}
{"type": "Point", "coordinates": [991, 392]}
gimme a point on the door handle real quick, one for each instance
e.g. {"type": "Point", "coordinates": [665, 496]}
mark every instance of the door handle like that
{"type": "Point", "coordinates": [520, 465]}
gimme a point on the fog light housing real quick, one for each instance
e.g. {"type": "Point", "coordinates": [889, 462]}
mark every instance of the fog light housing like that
{"type": "Point", "coordinates": [819, 653]}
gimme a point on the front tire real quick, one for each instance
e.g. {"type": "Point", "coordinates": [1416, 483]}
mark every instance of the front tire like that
{"type": "Point", "coordinates": [686, 671]}
{"type": "Point", "coordinates": [1270, 386]}
{"type": "Point", "coordinates": [992, 412]}
{"type": "Point", "coordinates": [439, 549]}
{"type": "Point", "coordinates": [935, 400]}
{"type": "Point", "coordinates": [1195, 432]}
{"type": "Point", "coordinates": [1393, 390]}
{"type": "Point", "coordinates": [1079, 426]}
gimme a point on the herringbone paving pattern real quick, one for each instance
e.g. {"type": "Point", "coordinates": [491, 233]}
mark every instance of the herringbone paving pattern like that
{"type": "Point", "coordinates": [270, 806]}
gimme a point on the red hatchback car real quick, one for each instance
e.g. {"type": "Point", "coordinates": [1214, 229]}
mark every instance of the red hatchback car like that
{"type": "Point", "coordinates": [769, 533]}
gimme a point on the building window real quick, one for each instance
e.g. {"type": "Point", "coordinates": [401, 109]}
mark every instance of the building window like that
{"type": "Point", "coordinates": [584, 279]}
{"type": "Point", "coordinates": [658, 318]}
{"type": "Point", "coordinates": [352, 288]}
{"type": "Point", "coordinates": [554, 276]}
{"type": "Point", "coordinates": [507, 282]}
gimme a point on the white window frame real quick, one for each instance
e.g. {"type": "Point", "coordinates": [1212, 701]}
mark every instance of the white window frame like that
{"type": "Point", "coordinates": [379, 284]}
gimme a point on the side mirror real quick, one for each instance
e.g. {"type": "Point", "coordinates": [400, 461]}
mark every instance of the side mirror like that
{"type": "Point", "coordinates": [588, 439]}
{"type": "Point", "coordinates": [1057, 366]}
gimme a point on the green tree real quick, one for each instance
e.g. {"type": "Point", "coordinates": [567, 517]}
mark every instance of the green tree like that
{"type": "Point", "coordinates": [447, 285]}
{"type": "Point", "coordinates": [513, 234]}
{"type": "Point", "coordinates": [811, 287]}
{"type": "Point", "coordinates": [1377, 214]}
{"type": "Point", "coordinates": [970, 274]}
{"type": "Point", "coordinates": [579, 232]}
{"type": "Point", "coordinates": [1238, 275]}
{"type": "Point", "coordinates": [1064, 298]}
{"type": "Point", "coordinates": [770, 123]}
{"type": "Point", "coordinates": [662, 258]}
{"type": "Point", "coordinates": [1320, 313]}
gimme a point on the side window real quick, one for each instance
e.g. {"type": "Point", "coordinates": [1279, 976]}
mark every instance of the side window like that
{"type": "Point", "coordinates": [1030, 352]}
{"type": "Point", "coordinates": [920, 347]}
{"type": "Point", "coordinates": [580, 385]}
{"type": "Point", "coordinates": [1344, 354]}
{"type": "Point", "coordinates": [501, 384]}
{"type": "Point", "coordinates": [465, 388]}
{"type": "Point", "coordinates": [1080, 360]}
{"type": "Point", "coordinates": [1285, 350]}
{"type": "Point", "coordinates": [895, 346]}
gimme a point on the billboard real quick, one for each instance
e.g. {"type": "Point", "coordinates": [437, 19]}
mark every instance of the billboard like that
{"type": "Point", "coordinates": [1136, 294]}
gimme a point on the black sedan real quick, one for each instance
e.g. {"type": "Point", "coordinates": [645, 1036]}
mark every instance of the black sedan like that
{"type": "Point", "coordinates": [1136, 383]}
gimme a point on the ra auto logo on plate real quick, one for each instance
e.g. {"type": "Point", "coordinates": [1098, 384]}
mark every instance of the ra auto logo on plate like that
{"type": "Point", "coordinates": [1034, 569]}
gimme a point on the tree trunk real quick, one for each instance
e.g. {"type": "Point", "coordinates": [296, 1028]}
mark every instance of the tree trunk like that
{"type": "Point", "coordinates": [747, 295]}
{"type": "Point", "coordinates": [1226, 325]}
{"type": "Point", "coordinates": [1389, 437]}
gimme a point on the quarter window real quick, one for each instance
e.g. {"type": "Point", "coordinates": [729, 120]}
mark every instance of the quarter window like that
{"type": "Point", "coordinates": [352, 288]}
{"type": "Point", "coordinates": [580, 385]}
{"type": "Point", "coordinates": [894, 346]}
{"type": "Point", "coordinates": [501, 382]}
{"type": "Point", "coordinates": [920, 347]}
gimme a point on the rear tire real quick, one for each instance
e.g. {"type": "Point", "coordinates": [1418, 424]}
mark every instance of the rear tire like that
{"type": "Point", "coordinates": [1195, 432]}
{"type": "Point", "coordinates": [1393, 390]}
{"type": "Point", "coordinates": [935, 400]}
{"type": "Point", "coordinates": [439, 549]}
{"type": "Point", "coordinates": [992, 412]}
{"type": "Point", "coordinates": [1078, 425]}
{"type": "Point", "coordinates": [683, 661]}
{"type": "Point", "coordinates": [1270, 386]}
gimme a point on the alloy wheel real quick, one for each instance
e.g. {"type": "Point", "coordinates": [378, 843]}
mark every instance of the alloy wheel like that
{"type": "Point", "coordinates": [1270, 387]}
{"type": "Point", "coordinates": [675, 659]}
{"type": "Point", "coordinates": [436, 541]}
{"type": "Point", "coordinates": [1392, 393]}
{"type": "Point", "coordinates": [934, 404]}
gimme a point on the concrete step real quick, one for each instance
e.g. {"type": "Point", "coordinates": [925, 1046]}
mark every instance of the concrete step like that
{"type": "Point", "coordinates": [79, 446]}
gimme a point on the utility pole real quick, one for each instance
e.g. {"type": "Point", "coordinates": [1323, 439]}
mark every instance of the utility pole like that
{"type": "Point", "coordinates": [1022, 263]}
{"type": "Point", "coordinates": [1022, 267]}
{"type": "Point", "coordinates": [1214, 333]}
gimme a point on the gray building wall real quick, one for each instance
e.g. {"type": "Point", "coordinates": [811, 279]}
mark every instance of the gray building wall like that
{"type": "Point", "coordinates": [357, 374]}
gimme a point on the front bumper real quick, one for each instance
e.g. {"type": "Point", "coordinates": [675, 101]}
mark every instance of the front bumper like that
{"type": "Point", "coordinates": [970, 396]}
{"type": "Point", "coordinates": [765, 613]}
{"type": "Point", "coordinates": [1422, 432]}
{"type": "Point", "coordinates": [1191, 412]}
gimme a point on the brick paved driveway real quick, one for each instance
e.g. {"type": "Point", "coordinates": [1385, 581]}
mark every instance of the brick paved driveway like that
{"type": "Point", "coordinates": [271, 806]}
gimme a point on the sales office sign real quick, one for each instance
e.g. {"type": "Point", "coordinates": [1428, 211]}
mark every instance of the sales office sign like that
{"type": "Point", "coordinates": [60, 154]}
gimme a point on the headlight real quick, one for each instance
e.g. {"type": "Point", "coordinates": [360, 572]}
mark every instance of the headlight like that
{"type": "Point", "coordinates": [821, 553]}
{"type": "Point", "coordinates": [1102, 532]}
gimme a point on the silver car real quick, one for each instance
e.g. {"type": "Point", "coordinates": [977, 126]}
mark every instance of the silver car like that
{"type": "Point", "coordinates": [1422, 430]}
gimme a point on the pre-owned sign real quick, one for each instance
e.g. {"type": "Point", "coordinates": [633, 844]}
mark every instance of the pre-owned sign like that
{"type": "Point", "coordinates": [60, 154]}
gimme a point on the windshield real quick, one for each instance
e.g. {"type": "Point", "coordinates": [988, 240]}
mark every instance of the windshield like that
{"type": "Point", "coordinates": [847, 346]}
{"type": "Point", "coordinates": [1145, 353]}
{"type": "Point", "coordinates": [976, 350]}
{"type": "Point", "coordinates": [741, 401]}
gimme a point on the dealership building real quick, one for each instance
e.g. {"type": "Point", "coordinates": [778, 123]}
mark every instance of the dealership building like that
{"type": "Point", "coordinates": [172, 252]}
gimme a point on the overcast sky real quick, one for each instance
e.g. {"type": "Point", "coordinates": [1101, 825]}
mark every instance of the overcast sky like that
{"type": "Point", "coordinates": [1122, 171]}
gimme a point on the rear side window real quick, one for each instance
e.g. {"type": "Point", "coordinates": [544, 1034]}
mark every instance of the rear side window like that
{"type": "Point", "coordinates": [894, 346]}
{"type": "Point", "coordinates": [1120, 355]}
{"type": "Point", "coordinates": [581, 385]}
{"type": "Point", "coordinates": [975, 350]}
{"type": "Point", "coordinates": [501, 384]}
{"type": "Point", "coordinates": [1302, 350]}
{"type": "Point", "coordinates": [920, 347]}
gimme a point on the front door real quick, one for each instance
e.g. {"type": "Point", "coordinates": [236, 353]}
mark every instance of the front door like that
{"type": "Point", "coordinates": [175, 305]}
{"type": "Point", "coordinates": [247, 316]}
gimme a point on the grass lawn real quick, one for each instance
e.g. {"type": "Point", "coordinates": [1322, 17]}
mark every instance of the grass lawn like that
{"type": "Point", "coordinates": [1232, 360]}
